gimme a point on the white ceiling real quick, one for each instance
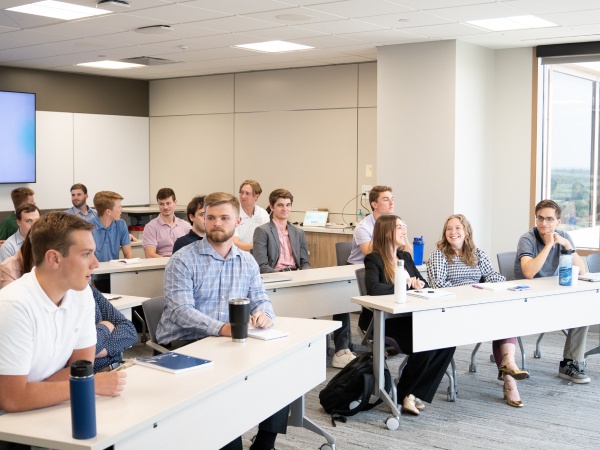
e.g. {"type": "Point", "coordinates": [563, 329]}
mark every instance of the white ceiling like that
{"type": "Point", "coordinates": [342, 31]}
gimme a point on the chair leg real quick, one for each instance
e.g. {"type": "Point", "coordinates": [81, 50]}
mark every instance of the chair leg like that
{"type": "Point", "coordinates": [452, 375]}
{"type": "Point", "coordinates": [537, 353]}
{"type": "Point", "coordinates": [594, 351]}
{"type": "Point", "coordinates": [473, 366]}
{"type": "Point", "coordinates": [143, 322]}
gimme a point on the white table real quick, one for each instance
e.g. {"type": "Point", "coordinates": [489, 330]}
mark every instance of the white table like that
{"type": "Point", "coordinates": [125, 302]}
{"type": "Point", "coordinates": [199, 409]}
{"type": "Point", "coordinates": [315, 293]}
{"type": "Point", "coordinates": [144, 279]}
{"type": "Point", "coordinates": [477, 315]}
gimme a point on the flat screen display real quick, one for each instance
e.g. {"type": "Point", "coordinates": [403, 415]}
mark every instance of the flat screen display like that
{"type": "Point", "coordinates": [17, 137]}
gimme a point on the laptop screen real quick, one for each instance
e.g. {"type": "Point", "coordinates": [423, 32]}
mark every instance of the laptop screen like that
{"type": "Point", "coordinates": [315, 218]}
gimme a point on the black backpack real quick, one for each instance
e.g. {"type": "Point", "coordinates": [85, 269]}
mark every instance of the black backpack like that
{"type": "Point", "coordinates": [349, 391]}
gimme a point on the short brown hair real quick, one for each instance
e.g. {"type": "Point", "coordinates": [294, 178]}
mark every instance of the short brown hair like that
{"type": "Point", "coordinates": [104, 200]}
{"type": "Point", "coordinates": [53, 232]}
{"type": "Point", "coordinates": [26, 208]}
{"type": "Point", "coordinates": [78, 186]}
{"type": "Point", "coordinates": [220, 198]}
{"type": "Point", "coordinates": [194, 205]}
{"type": "Point", "coordinates": [280, 193]}
{"type": "Point", "coordinates": [548, 204]}
{"type": "Point", "coordinates": [165, 193]}
{"type": "Point", "coordinates": [256, 189]}
{"type": "Point", "coordinates": [20, 195]}
{"type": "Point", "coordinates": [375, 191]}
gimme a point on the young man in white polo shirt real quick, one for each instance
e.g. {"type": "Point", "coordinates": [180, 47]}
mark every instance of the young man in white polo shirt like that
{"type": "Point", "coordinates": [47, 318]}
{"type": "Point", "coordinates": [252, 216]}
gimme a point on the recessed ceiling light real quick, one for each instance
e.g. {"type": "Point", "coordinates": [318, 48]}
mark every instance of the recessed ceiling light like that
{"type": "Point", "coordinates": [154, 29]}
{"type": "Point", "coordinates": [115, 65]}
{"type": "Point", "coordinates": [58, 10]}
{"type": "Point", "coordinates": [274, 47]}
{"type": "Point", "coordinates": [113, 3]}
{"type": "Point", "coordinates": [512, 23]}
{"type": "Point", "coordinates": [294, 17]}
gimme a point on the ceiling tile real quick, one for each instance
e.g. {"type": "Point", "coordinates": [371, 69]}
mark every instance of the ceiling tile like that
{"type": "Point", "coordinates": [476, 12]}
{"type": "Point", "coordinates": [239, 6]}
{"type": "Point", "coordinates": [343, 26]}
{"type": "Point", "coordinates": [177, 13]}
{"type": "Point", "coordinates": [352, 9]}
{"type": "Point", "coordinates": [406, 20]}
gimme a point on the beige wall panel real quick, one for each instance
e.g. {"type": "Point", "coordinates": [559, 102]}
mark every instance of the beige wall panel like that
{"type": "Point", "coordinates": [192, 155]}
{"type": "Point", "coordinates": [197, 95]}
{"type": "Point", "coordinates": [367, 152]}
{"type": "Point", "coordinates": [310, 153]}
{"type": "Point", "coordinates": [367, 85]}
{"type": "Point", "coordinates": [294, 89]}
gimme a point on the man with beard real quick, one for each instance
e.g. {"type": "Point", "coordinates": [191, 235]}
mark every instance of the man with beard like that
{"type": "Point", "coordinates": [199, 281]}
{"type": "Point", "coordinates": [79, 196]}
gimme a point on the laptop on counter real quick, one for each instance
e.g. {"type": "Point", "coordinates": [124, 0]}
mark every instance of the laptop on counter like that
{"type": "Point", "coordinates": [315, 219]}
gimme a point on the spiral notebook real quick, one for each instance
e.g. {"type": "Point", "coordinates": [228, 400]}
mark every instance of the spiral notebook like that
{"type": "Point", "coordinates": [173, 362]}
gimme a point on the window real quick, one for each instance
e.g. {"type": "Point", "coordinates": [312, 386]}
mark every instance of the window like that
{"type": "Point", "coordinates": [570, 148]}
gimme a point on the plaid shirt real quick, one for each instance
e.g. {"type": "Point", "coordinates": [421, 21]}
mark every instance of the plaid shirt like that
{"type": "Point", "coordinates": [198, 286]}
{"type": "Point", "coordinates": [441, 274]}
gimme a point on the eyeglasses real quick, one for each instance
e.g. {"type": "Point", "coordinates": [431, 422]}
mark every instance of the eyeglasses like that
{"type": "Point", "coordinates": [548, 220]}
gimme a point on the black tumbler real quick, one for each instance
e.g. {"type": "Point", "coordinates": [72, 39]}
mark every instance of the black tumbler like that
{"type": "Point", "coordinates": [83, 400]}
{"type": "Point", "coordinates": [239, 316]}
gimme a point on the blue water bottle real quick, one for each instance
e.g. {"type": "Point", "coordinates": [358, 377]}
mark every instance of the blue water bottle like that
{"type": "Point", "coordinates": [83, 400]}
{"type": "Point", "coordinates": [418, 247]}
{"type": "Point", "coordinates": [565, 267]}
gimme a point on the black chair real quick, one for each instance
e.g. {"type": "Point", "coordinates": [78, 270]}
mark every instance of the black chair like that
{"type": "Point", "coordinates": [593, 264]}
{"type": "Point", "coordinates": [506, 267]}
{"type": "Point", "coordinates": [153, 309]}
{"type": "Point", "coordinates": [342, 252]}
{"type": "Point", "coordinates": [367, 340]}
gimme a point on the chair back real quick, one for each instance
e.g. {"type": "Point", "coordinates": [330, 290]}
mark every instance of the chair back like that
{"type": "Point", "coordinates": [342, 252]}
{"type": "Point", "coordinates": [506, 264]}
{"type": "Point", "coordinates": [593, 262]}
{"type": "Point", "coordinates": [153, 309]}
{"type": "Point", "coordinates": [360, 280]}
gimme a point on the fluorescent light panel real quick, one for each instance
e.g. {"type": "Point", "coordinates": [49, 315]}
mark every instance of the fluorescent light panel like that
{"type": "Point", "coordinates": [274, 47]}
{"type": "Point", "coordinates": [58, 10]}
{"type": "Point", "coordinates": [115, 65]}
{"type": "Point", "coordinates": [512, 23]}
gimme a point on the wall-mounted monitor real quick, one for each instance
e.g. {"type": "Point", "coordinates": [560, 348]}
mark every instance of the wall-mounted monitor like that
{"type": "Point", "coordinates": [17, 137]}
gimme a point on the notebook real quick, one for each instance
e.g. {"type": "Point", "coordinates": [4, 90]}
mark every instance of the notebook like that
{"type": "Point", "coordinates": [593, 277]}
{"type": "Point", "coordinates": [274, 277]}
{"type": "Point", "coordinates": [431, 293]}
{"type": "Point", "coordinates": [503, 286]}
{"type": "Point", "coordinates": [266, 334]}
{"type": "Point", "coordinates": [315, 219]}
{"type": "Point", "coordinates": [128, 261]}
{"type": "Point", "coordinates": [173, 362]}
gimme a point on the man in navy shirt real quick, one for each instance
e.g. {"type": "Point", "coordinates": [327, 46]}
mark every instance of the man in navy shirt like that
{"type": "Point", "coordinates": [195, 214]}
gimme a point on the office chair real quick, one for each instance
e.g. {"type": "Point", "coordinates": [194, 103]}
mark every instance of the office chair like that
{"type": "Point", "coordinates": [153, 309]}
{"type": "Point", "coordinates": [593, 264]}
{"type": "Point", "coordinates": [342, 252]}
{"type": "Point", "coordinates": [506, 267]}
{"type": "Point", "coordinates": [367, 340]}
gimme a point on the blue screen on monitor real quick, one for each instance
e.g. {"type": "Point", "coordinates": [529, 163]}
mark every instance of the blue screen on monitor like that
{"type": "Point", "coordinates": [17, 137]}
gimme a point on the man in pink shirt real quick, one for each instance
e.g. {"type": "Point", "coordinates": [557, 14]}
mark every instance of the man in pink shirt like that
{"type": "Point", "coordinates": [161, 233]}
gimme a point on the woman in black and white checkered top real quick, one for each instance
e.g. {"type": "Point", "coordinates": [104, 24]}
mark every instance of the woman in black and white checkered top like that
{"type": "Point", "coordinates": [456, 262]}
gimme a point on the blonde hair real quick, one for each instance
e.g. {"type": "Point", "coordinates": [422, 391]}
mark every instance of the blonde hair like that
{"type": "Point", "coordinates": [104, 200]}
{"type": "Point", "coordinates": [468, 250]}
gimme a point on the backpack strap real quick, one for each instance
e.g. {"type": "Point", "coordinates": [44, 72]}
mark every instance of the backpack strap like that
{"type": "Point", "coordinates": [364, 405]}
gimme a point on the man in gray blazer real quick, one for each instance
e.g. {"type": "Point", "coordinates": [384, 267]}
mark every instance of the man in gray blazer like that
{"type": "Point", "coordinates": [278, 245]}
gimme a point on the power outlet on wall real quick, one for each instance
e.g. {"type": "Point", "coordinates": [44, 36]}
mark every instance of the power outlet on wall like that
{"type": "Point", "coordinates": [365, 190]}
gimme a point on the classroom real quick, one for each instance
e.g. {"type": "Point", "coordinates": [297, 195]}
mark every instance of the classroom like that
{"type": "Point", "coordinates": [449, 118]}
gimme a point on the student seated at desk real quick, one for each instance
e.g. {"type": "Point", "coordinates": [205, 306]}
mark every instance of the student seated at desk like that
{"type": "Point", "coordinates": [110, 231]}
{"type": "Point", "coordinates": [161, 233]}
{"type": "Point", "coordinates": [35, 358]}
{"type": "Point", "coordinates": [27, 214]}
{"type": "Point", "coordinates": [424, 370]}
{"type": "Point", "coordinates": [252, 216]}
{"type": "Point", "coordinates": [457, 262]}
{"type": "Point", "coordinates": [13, 268]}
{"type": "Point", "coordinates": [79, 196]}
{"type": "Point", "coordinates": [9, 226]}
{"type": "Point", "coordinates": [195, 214]}
{"type": "Point", "coordinates": [199, 281]}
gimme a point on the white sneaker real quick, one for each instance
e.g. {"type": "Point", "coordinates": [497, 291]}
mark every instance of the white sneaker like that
{"type": "Point", "coordinates": [339, 362]}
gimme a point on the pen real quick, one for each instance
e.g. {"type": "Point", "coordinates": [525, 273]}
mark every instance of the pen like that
{"type": "Point", "coordinates": [116, 298]}
{"type": "Point", "coordinates": [476, 287]}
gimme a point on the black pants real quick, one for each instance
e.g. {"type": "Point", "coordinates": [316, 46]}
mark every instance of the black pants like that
{"type": "Point", "coordinates": [424, 370]}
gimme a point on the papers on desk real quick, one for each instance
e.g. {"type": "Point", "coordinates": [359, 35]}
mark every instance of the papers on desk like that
{"type": "Point", "coordinates": [128, 261]}
{"type": "Point", "coordinates": [275, 277]}
{"type": "Point", "coordinates": [173, 362]}
{"type": "Point", "coordinates": [431, 293]}
{"type": "Point", "coordinates": [592, 277]}
{"type": "Point", "coordinates": [111, 296]}
{"type": "Point", "coordinates": [266, 334]}
{"type": "Point", "coordinates": [503, 286]}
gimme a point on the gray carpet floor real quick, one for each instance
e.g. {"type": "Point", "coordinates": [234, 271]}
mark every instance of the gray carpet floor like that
{"type": "Point", "coordinates": [557, 414]}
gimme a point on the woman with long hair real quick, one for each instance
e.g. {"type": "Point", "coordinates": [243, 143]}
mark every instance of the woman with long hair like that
{"type": "Point", "coordinates": [424, 370]}
{"type": "Point", "coordinates": [456, 262]}
{"type": "Point", "coordinates": [17, 265]}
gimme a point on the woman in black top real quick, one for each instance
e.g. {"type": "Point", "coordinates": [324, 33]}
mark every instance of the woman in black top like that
{"type": "Point", "coordinates": [424, 370]}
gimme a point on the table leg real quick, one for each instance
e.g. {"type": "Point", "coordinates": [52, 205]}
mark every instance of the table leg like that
{"type": "Point", "coordinates": [298, 419]}
{"type": "Point", "coordinates": [379, 362]}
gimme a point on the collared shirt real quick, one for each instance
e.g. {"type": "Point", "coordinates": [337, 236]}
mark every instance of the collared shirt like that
{"type": "Point", "coordinates": [286, 257]}
{"type": "Point", "coordinates": [530, 245]}
{"type": "Point", "coordinates": [91, 213]}
{"type": "Point", "coordinates": [188, 239]}
{"type": "Point", "coordinates": [245, 230]}
{"type": "Point", "coordinates": [198, 286]}
{"type": "Point", "coordinates": [362, 233]}
{"type": "Point", "coordinates": [11, 246]}
{"type": "Point", "coordinates": [161, 236]}
{"type": "Point", "coordinates": [109, 240]}
{"type": "Point", "coordinates": [9, 226]}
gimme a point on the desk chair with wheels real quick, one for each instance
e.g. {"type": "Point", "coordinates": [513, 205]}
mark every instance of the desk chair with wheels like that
{"type": "Point", "coordinates": [593, 264]}
{"type": "Point", "coordinates": [153, 309]}
{"type": "Point", "coordinates": [367, 340]}
{"type": "Point", "coordinates": [506, 266]}
{"type": "Point", "coordinates": [342, 253]}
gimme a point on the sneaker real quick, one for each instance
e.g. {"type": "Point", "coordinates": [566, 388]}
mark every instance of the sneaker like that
{"type": "Point", "coordinates": [572, 371]}
{"type": "Point", "coordinates": [339, 362]}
